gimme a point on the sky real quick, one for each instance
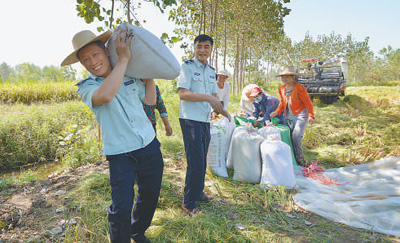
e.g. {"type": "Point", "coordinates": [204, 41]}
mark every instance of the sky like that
{"type": "Point", "coordinates": [40, 31]}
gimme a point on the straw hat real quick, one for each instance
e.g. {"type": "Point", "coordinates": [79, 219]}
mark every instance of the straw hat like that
{"type": "Point", "coordinates": [223, 72]}
{"type": "Point", "coordinates": [288, 71]}
{"type": "Point", "coordinates": [82, 39]}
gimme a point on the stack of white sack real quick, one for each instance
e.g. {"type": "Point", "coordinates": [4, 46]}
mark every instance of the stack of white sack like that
{"type": "Point", "coordinates": [150, 57]}
{"type": "Point", "coordinates": [221, 132]}
{"type": "Point", "coordinates": [259, 156]}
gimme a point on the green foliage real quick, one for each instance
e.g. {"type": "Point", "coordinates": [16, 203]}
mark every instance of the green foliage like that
{"type": "Point", "coordinates": [110, 14]}
{"type": "Point", "coordinates": [78, 147]}
{"type": "Point", "coordinates": [5, 183]}
{"type": "Point", "coordinates": [88, 10]}
{"type": "Point", "coordinates": [5, 72]}
{"type": "Point", "coordinates": [173, 145]}
{"type": "Point", "coordinates": [388, 65]}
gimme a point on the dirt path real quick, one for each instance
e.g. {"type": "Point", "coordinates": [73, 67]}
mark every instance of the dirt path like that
{"type": "Point", "coordinates": [35, 212]}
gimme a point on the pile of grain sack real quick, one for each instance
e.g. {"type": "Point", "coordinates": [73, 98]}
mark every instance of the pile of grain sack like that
{"type": "Point", "coordinates": [260, 156]}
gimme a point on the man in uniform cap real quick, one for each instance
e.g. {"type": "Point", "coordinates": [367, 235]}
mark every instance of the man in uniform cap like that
{"type": "Point", "coordinates": [197, 89]}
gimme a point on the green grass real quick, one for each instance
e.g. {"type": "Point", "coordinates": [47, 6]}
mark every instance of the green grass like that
{"type": "Point", "coordinates": [360, 128]}
{"type": "Point", "coordinates": [346, 133]}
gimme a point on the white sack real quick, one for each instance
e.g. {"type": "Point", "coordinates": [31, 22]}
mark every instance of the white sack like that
{"type": "Point", "coordinates": [245, 153]}
{"type": "Point", "coordinates": [229, 158]}
{"type": "Point", "coordinates": [270, 133]}
{"type": "Point", "coordinates": [277, 164]}
{"type": "Point", "coordinates": [370, 200]}
{"type": "Point", "coordinates": [150, 57]}
{"type": "Point", "coordinates": [216, 151]}
{"type": "Point", "coordinates": [230, 127]}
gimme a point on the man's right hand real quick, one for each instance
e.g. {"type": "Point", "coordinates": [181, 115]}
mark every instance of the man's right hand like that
{"type": "Point", "coordinates": [123, 45]}
{"type": "Point", "coordinates": [215, 104]}
{"type": "Point", "coordinates": [226, 114]}
{"type": "Point", "coordinates": [255, 124]}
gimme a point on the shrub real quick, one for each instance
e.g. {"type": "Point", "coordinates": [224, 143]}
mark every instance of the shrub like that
{"type": "Point", "coordinates": [30, 134]}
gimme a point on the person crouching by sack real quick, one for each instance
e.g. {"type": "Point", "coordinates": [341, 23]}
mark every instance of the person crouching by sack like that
{"type": "Point", "coordinates": [296, 105]}
{"type": "Point", "coordinates": [263, 106]}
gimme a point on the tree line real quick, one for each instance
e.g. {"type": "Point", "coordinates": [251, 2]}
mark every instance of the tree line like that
{"type": "Point", "coordinates": [249, 38]}
{"type": "Point", "coordinates": [33, 73]}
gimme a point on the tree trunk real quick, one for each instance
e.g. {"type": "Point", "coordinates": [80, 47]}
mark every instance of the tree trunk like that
{"type": "Point", "coordinates": [201, 16]}
{"type": "Point", "coordinates": [128, 6]}
{"type": "Point", "coordinates": [237, 69]}
{"type": "Point", "coordinates": [112, 13]}
{"type": "Point", "coordinates": [225, 44]}
{"type": "Point", "coordinates": [249, 74]}
{"type": "Point", "coordinates": [216, 59]}
{"type": "Point", "coordinates": [203, 10]}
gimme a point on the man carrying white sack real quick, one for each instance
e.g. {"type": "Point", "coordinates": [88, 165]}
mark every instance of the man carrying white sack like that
{"type": "Point", "coordinates": [197, 89]}
{"type": "Point", "coordinates": [129, 139]}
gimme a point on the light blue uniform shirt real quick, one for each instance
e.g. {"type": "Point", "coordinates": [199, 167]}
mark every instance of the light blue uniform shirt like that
{"type": "Point", "coordinates": [123, 122]}
{"type": "Point", "coordinates": [200, 79]}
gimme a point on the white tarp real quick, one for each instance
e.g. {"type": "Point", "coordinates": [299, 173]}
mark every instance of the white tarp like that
{"type": "Point", "coordinates": [370, 199]}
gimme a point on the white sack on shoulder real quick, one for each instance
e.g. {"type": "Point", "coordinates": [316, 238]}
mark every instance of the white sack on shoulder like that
{"type": "Point", "coordinates": [150, 57]}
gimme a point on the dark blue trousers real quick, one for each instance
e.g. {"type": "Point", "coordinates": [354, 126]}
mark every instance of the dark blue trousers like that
{"type": "Point", "coordinates": [196, 138]}
{"type": "Point", "coordinates": [147, 165]}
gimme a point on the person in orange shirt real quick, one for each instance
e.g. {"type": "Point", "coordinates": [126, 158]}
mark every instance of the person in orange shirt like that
{"type": "Point", "coordinates": [297, 107]}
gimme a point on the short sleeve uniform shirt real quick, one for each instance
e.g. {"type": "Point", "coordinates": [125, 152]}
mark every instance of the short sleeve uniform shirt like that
{"type": "Point", "coordinates": [123, 122]}
{"type": "Point", "coordinates": [200, 79]}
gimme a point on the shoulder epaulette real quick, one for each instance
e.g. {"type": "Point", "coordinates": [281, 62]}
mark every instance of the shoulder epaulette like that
{"type": "Point", "coordinates": [81, 82]}
{"type": "Point", "coordinates": [189, 61]}
{"type": "Point", "coordinates": [211, 67]}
